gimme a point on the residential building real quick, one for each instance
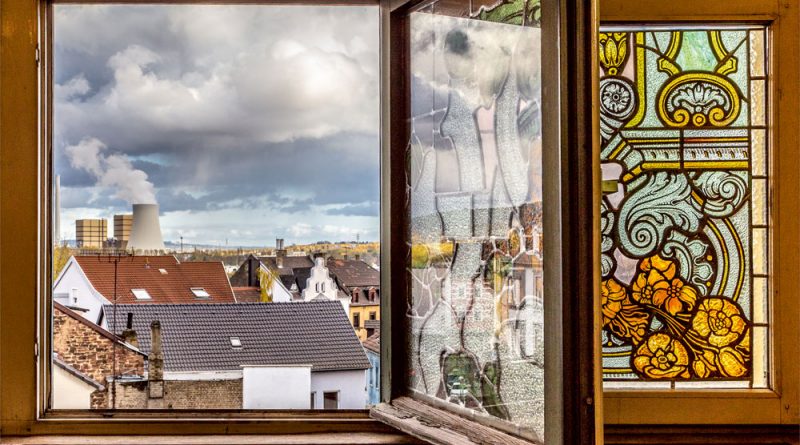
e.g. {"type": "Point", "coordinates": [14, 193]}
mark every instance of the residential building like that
{"type": "Point", "coordinates": [86, 356]}
{"type": "Point", "coordinates": [87, 282]}
{"type": "Point", "coordinates": [320, 285]}
{"type": "Point", "coordinates": [245, 355]}
{"type": "Point", "coordinates": [122, 230]}
{"type": "Point", "coordinates": [372, 346]}
{"type": "Point", "coordinates": [247, 294]}
{"type": "Point", "coordinates": [362, 283]}
{"type": "Point", "coordinates": [291, 273]}
{"type": "Point", "coordinates": [91, 233]}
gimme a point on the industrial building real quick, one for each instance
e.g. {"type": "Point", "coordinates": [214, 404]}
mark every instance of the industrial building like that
{"type": "Point", "coordinates": [91, 233]}
{"type": "Point", "coordinates": [122, 229]}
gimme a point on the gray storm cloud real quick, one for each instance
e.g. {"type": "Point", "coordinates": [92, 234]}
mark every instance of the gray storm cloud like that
{"type": "Point", "coordinates": [113, 171]}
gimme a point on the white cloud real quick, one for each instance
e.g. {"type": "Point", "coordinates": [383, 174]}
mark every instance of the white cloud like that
{"type": "Point", "coordinates": [257, 71]}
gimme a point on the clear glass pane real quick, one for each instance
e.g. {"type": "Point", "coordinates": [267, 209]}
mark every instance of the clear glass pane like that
{"type": "Point", "coordinates": [475, 307]}
{"type": "Point", "coordinates": [216, 205]}
{"type": "Point", "coordinates": [679, 247]}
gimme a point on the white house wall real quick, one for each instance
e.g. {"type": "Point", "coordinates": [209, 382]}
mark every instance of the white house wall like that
{"type": "Point", "coordinates": [72, 277]}
{"type": "Point", "coordinates": [70, 392]}
{"type": "Point", "coordinates": [279, 292]}
{"type": "Point", "coordinates": [276, 387]}
{"type": "Point", "coordinates": [351, 385]}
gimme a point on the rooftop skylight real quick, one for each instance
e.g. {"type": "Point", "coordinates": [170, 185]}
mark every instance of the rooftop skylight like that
{"type": "Point", "coordinates": [141, 294]}
{"type": "Point", "coordinates": [199, 292]}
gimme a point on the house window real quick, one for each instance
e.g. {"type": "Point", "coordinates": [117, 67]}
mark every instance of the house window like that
{"type": "Point", "coordinates": [141, 294]}
{"type": "Point", "coordinates": [372, 315]}
{"type": "Point", "coordinates": [685, 215]}
{"type": "Point", "coordinates": [199, 292]}
{"type": "Point", "coordinates": [331, 400]}
{"type": "Point", "coordinates": [356, 320]}
{"type": "Point", "coordinates": [313, 401]}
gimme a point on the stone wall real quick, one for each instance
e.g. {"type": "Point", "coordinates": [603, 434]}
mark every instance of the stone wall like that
{"type": "Point", "coordinates": [92, 350]}
{"type": "Point", "coordinates": [183, 394]}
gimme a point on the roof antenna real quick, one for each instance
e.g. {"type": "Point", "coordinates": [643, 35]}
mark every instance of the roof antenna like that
{"type": "Point", "coordinates": [146, 262]}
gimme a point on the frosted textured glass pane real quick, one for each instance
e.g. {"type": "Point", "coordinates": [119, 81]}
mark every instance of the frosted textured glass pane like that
{"type": "Point", "coordinates": [757, 102]}
{"type": "Point", "coordinates": [678, 246]}
{"type": "Point", "coordinates": [760, 357]}
{"type": "Point", "coordinates": [759, 151]}
{"type": "Point", "coordinates": [760, 305]}
{"type": "Point", "coordinates": [717, 384]}
{"type": "Point", "coordinates": [759, 201]}
{"type": "Point", "coordinates": [757, 51]}
{"type": "Point", "coordinates": [476, 302]}
{"type": "Point", "coordinates": [636, 384]}
{"type": "Point", "coordinates": [760, 251]}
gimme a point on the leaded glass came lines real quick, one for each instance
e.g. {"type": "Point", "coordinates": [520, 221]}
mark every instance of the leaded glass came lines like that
{"type": "Point", "coordinates": [684, 214]}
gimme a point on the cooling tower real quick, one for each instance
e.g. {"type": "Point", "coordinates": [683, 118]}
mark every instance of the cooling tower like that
{"type": "Point", "coordinates": [145, 231]}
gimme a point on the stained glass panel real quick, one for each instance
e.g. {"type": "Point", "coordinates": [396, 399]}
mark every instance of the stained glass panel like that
{"type": "Point", "coordinates": [685, 209]}
{"type": "Point", "coordinates": [475, 305]}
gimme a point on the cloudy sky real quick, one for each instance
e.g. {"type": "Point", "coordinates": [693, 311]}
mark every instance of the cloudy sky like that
{"type": "Point", "coordinates": [244, 123]}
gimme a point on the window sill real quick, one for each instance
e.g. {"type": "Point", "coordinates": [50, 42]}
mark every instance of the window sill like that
{"type": "Point", "coordinates": [283, 439]}
{"type": "Point", "coordinates": [438, 426]}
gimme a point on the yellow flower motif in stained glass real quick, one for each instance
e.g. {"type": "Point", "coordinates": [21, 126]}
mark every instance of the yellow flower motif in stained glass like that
{"type": "Point", "coordinates": [657, 285]}
{"type": "Point", "coordinates": [662, 357]}
{"type": "Point", "coordinates": [719, 321]}
{"type": "Point", "coordinates": [613, 51]}
{"type": "Point", "coordinates": [612, 295]}
{"type": "Point", "coordinates": [732, 362]}
{"type": "Point", "coordinates": [620, 314]}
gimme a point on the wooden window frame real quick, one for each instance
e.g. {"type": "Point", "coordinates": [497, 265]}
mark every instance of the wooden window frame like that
{"type": "Point", "coordinates": [25, 80]}
{"type": "Point", "coordinates": [778, 404]}
{"type": "Point", "coordinates": [570, 219]}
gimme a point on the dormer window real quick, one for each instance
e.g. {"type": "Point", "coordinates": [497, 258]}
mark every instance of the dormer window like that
{"type": "Point", "coordinates": [141, 294]}
{"type": "Point", "coordinates": [199, 292]}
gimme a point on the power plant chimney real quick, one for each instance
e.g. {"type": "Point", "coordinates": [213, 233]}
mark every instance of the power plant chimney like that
{"type": "Point", "coordinates": [145, 230]}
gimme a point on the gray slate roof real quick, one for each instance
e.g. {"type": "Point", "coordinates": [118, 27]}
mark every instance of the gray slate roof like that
{"type": "Point", "coordinates": [196, 337]}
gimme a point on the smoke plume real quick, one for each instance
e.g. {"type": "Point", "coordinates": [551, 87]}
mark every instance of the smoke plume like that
{"type": "Point", "coordinates": [112, 171]}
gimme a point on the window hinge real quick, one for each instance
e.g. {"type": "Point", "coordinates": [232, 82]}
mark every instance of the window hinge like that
{"type": "Point", "coordinates": [37, 55]}
{"type": "Point", "coordinates": [36, 349]}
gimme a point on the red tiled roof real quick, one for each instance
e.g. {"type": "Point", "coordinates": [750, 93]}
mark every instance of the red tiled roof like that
{"type": "Point", "coordinates": [354, 273]}
{"type": "Point", "coordinates": [247, 294]}
{"type": "Point", "coordinates": [165, 279]}
{"type": "Point", "coordinates": [373, 342]}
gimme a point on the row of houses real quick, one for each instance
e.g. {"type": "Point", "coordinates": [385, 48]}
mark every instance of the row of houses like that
{"type": "Point", "coordinates": [145, 332]}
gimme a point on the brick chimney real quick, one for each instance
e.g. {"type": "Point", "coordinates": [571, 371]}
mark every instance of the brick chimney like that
{"type": "Point", "coordinates": [155, 371]}
{"type": "Point", "coordinates": [280, 252]}
{"type": "Point", "coordinates": [156, 357]}
{"type": "Point", "coordinates": [129, 335]}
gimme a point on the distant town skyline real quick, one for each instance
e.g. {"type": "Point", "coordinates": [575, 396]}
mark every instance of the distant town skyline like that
{"type": "Point", "coordinates": [244, 123]}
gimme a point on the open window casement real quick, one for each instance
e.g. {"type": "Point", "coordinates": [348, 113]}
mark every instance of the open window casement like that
{"type": "Point", "coordinates": [488, 189]}
{"type": "Point", "coordinates": [488, 229]}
